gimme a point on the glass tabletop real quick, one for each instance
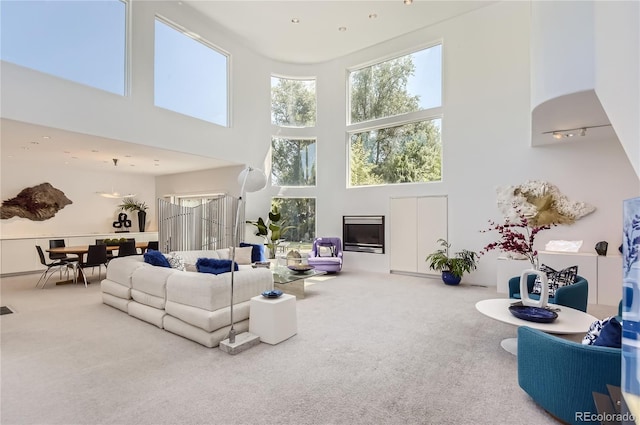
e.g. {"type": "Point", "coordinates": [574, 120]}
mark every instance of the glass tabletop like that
{"type": "Point", "coordinates": [284, 275]}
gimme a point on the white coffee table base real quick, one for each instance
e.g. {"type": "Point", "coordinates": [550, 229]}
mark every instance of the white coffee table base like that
{"type": "Point", "coordinates": [510, 345]}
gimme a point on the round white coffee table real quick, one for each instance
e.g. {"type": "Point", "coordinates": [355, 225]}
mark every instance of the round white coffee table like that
{"type": "Point", "coordinates": [569, 321]}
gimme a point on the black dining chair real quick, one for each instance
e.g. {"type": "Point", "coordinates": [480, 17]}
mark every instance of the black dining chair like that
{"type": "Point", "coordinates": [59, 243]}
{"type": "Point", "coordinates": [153, 245]}
{"type": "Point", "coordinates": [59, 264]}
{"type": "Point", "coordinates": [101, 242]}
{"type": "Point", "coordinates": [96, 256]}
{"type": "Point", "coordinates": [127, 248]}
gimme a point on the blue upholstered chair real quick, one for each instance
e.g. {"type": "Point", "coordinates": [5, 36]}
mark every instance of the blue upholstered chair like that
{"type": "Point", "coordinates": [574, 295]}
{"type": "Point", "coordinates": [561, 375]}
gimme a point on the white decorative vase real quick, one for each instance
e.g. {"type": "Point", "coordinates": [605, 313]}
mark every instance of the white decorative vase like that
{"type": "Point", "coordinates": [524, 290]}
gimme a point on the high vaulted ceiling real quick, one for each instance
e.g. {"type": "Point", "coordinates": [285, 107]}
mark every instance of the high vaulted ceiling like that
{"type": "Point", "coordinates": [325, 29]}
{"type": "Point", "coordinates": [264, 26]}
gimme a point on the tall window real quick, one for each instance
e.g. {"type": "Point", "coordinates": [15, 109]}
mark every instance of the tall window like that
{"type": "Point", "coordinates": [293, 102]}
{"type": "Point", "coordinates": [293, 159]}
{"type": "Point", "coordinates": [293, 162]}
{"type": "Point", "coordinates": [81, 41]}
{"type": "Point", "coordinates": [190, 75]}
{"type": "Point", "coordinates": [395, 120]}
{"type": "Point", "coordinates": [300, 213]}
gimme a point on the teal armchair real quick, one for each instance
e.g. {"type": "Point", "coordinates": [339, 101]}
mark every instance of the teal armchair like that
{"type": "Point", "coordinates": [561, 375]}
{"type": "Point", "coordinates": [574, 295]}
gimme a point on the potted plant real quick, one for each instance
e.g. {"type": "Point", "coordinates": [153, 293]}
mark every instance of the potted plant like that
{"type": "Point", "coordinates": [452, 267]}
{"type": "Point", "coordinates": [130, 204]}
{"type": "Point", "coordinates": [273, 230]}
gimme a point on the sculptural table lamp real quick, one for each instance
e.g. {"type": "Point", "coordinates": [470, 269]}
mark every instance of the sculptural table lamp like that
{"type": "Point", "coordinates": [250, 180]}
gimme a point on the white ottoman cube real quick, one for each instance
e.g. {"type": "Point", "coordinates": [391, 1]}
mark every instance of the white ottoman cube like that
{"type": "Point", "coordinates": [273, 319]}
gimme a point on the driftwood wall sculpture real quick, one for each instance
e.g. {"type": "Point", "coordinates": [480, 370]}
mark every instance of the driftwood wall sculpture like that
{"type": "Point", "coordinates": [541, 202]}
{"type": "Point", "coordinates": [37, 203]}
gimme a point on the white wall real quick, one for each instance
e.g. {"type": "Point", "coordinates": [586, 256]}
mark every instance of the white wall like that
{"type": "Point", "coordinates": [486, 129]}
{"type": "Point", "coordinates": [89, 213]}
{"type": "Point", "coordinates": [486, 136]}
{"type": "Point", "coordinates": [617, 46]}
{"type": "Point", "coordinates": [562, 49]}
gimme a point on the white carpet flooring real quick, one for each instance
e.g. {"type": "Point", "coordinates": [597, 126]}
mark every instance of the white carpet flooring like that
{"type": "Point", "coordinates": [370, 349]}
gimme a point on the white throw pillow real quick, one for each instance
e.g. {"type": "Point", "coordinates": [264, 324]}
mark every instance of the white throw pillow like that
{"type": "Point", "coordinates": [176, 262]}
{"type": "Point", "coordinates": [243, 255]}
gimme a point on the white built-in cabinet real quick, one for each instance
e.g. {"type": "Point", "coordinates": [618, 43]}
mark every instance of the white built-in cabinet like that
{"type": "Point", "coordinates": [415, 225]}
{"type": "Point", "coordinates": [604, 273]}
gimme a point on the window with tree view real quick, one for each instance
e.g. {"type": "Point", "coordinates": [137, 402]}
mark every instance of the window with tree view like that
{"type": "Point", "coordinates": [395, 120]}
{"type": "Point", "coordinates": [293, 102]}
{"type": "Point", "coordinates": [300, 214]}
{"type": "Point", "coordinates": [293, 162]}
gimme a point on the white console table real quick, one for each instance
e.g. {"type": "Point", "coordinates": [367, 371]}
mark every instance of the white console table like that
{"type": "Point", "coordinates": [604, 273]}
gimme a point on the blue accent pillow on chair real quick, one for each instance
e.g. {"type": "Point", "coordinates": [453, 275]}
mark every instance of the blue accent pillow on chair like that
{"type": "Point", "coordinates": [214, 266]}
{"type": "Point", "coordinates": [610, 335]}
{"type": "Point", "coordinates": [257, 252]}
{"type": "Point", "coordinates": [156, 258]}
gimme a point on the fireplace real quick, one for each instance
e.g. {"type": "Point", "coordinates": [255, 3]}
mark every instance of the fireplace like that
{"type": "Point", "coordinates": [363, 233]}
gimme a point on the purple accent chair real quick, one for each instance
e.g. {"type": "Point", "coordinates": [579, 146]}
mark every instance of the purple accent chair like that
{"type": "Point", "coordinates": [326, 254]}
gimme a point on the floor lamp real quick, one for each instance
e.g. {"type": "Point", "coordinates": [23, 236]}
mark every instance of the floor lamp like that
{"type": "Point", "coordinates": [250, 180]}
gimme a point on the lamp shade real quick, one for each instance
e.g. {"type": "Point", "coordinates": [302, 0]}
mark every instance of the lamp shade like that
{"type": "Point", "coordinates": [252, 179]}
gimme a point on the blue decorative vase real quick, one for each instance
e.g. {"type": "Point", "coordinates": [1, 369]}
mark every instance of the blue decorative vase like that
{"type": "Point", "coordinates": [450, 279]}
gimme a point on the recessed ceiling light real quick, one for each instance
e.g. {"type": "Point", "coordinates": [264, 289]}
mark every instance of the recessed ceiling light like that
{"type": "Point", "coordinates": [46, 137]}
{"type": "Point", "coordinates": [408, 1]}
{"type": "Point", "coordinates": [373, 15]}
{"type": "Point", "coordinates": [295, 20]}
{"type": "Point", "coordinates": [342, 29]}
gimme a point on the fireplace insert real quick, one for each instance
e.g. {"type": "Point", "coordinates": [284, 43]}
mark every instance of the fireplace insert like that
{"type": "Point", "coordinates": [363, 233]}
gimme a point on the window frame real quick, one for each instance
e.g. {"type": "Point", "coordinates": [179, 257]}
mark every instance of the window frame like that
{"type": "Point", "coordinates": [427, 114]}
{"type": "Point", "coordinates": [315, 227]}
{"type": "Point", "coordinates": [282, 77]}
{"type": "Point", "coordinates": [198, 38]}
{"type": "Point", "coordinates": [126, 59]}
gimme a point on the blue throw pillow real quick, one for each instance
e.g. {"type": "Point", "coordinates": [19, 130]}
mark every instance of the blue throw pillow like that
{"type": "Point", "coordinates": [214, 266]}
{"type": "Point", "coordinates": [257, 252]}
{"type": "Point", "coordinates": [610, 335]}
{"type": "Point", "coordinates": [156, 258]}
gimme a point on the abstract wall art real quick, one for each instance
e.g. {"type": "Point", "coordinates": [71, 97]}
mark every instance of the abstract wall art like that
{"type": "Point", "coordinates": [37, 203]}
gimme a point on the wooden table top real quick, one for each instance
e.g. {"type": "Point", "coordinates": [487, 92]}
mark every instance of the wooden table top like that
{"type": "Point", "coordinates": [83, 249]}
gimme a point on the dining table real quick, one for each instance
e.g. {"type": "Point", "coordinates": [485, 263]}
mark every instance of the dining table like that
{"type": "Point", "coordinates": [81, 251]}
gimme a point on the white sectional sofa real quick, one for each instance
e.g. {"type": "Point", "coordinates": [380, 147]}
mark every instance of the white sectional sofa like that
{"type": "Point", "coordinates": [190, 304]}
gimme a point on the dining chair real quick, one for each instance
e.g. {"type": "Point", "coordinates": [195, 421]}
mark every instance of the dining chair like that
{"type": "Point", "coordinates": [59, 243]}
{"type": "Point", "coordinates": [96, 256]}
{"type": "Point", "coordinates": [127, 248]}
{"type": "Point", "coordinates": [101, 242]}
{"type": "Point", "coordinates": [153, 245]}
{"type": "Point", "coordinates": [59, 264]}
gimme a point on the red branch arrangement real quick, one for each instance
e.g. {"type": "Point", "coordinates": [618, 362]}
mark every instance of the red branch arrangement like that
{"type": "Point", "coordinates": [515, 237]}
